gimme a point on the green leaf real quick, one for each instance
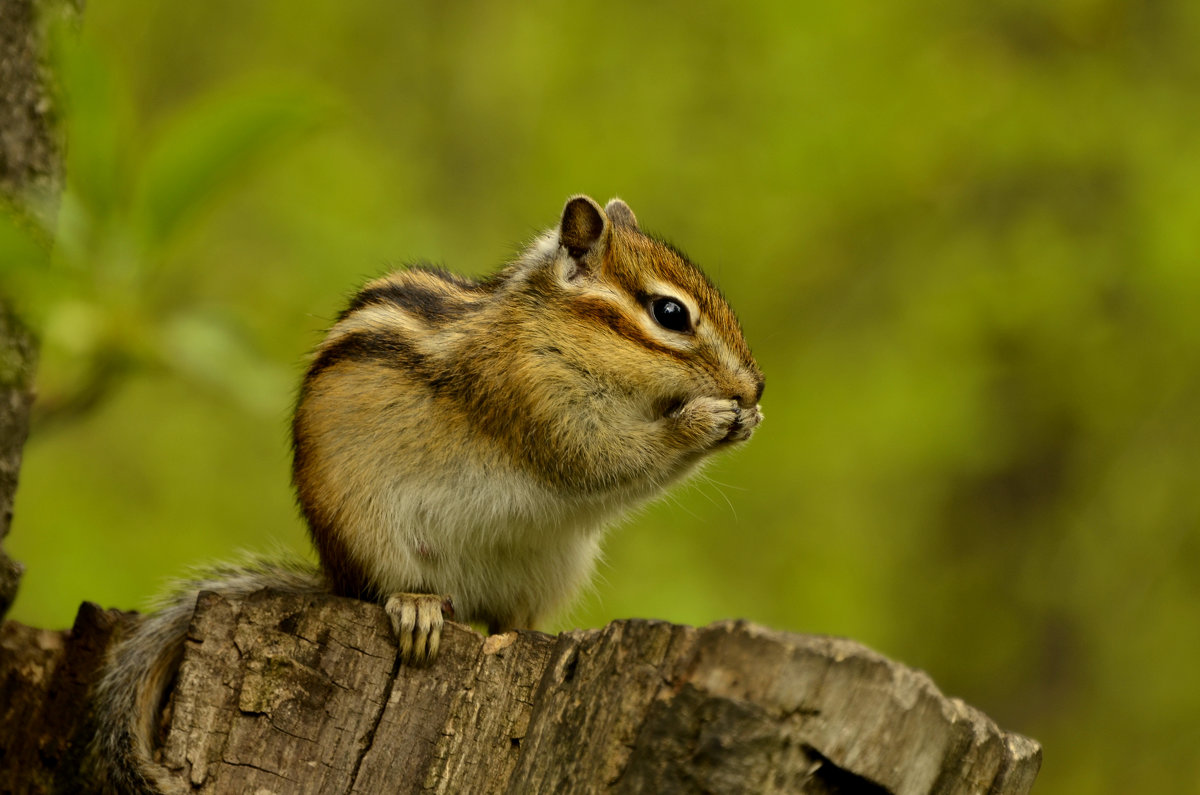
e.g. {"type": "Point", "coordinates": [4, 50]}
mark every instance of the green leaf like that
{"type": "Point", "coordinates": [96, 109]}
{"type": "Point", "coordinates": [208, 149]}
{"type": "Point", "coordinates": [209, 349]}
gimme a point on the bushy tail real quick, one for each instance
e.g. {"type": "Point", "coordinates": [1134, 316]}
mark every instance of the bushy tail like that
{"type": "Point", "coordinates": [129, 697]}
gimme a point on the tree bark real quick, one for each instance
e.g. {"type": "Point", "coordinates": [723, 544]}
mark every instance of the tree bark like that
{"type": "Point", "coordinates": [31, 178]}
{"type": "Point", "coordinates": [17, 358]}
{"type": "Point", "coordinates": [301, 694]}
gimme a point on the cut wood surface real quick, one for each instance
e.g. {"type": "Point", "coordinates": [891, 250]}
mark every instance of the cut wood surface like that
{"type": "Point", "coordinates": [293, 694]}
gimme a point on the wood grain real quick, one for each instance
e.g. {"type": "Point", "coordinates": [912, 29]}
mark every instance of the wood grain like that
{"type": "Point", "coordinates": [284, 693]}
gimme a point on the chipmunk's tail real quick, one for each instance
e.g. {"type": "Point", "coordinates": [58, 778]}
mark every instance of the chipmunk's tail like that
{"type": "Point", "coordinates": [131, 694]}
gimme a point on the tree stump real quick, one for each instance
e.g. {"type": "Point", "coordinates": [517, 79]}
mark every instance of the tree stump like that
{"type": "Point", "coordinates": [302, 694]}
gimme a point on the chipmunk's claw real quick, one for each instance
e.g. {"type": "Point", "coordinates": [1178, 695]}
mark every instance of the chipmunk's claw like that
{"type": "Point", "coordinates": [417, 620]}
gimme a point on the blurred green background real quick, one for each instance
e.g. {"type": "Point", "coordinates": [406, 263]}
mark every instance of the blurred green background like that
{"type": "Point", "coordinates": [962, 239]}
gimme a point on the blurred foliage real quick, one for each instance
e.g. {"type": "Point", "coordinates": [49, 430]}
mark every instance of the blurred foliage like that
{"type": "Point", "coordinates": [106, 300]}
{"type": "Point", "coordinates": [961, 239]}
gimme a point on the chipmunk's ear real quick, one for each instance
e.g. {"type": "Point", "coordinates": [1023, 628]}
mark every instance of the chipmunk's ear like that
{"type": "Point", "coordinates": [619, 214]}
{"type": "Point", "coordinates": [583, 232]}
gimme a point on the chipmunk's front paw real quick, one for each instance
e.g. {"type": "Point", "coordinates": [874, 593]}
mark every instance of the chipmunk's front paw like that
{"type": "Point", "coordinates": [417, 620]}
{"type": "Point", "coordinates": [747, 420]}
{"type": "Point", "coordinates": [707, 421]}
{"type": "Point", "coordinates": [704, 421]}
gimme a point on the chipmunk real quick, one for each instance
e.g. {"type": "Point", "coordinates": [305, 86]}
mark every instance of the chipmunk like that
{"type": "Point", "coordinates": [460, 445]}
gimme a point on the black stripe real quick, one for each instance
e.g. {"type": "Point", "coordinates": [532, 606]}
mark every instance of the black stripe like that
{"type": "Point", "coordinates": [369, 346]}
{"type": "Point", "coordinates": [454, 279]}
{"type": "Point", "coordinates": [598, 310]}
{"type": "Point", "coordinates": [428, 304]}
{"type": "Point", "coordinates": [428, 301]}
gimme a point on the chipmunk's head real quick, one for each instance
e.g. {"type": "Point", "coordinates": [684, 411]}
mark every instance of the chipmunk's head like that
{"type": "Point", "coordinates": [646, 317]}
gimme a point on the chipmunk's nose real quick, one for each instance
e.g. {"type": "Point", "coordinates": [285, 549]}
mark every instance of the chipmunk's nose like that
{"type": "Point", "coordinates": [750, 393]}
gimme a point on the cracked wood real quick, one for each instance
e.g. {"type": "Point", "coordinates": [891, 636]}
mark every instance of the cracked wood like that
{"type": "Point", "coordinates": [284, 693]}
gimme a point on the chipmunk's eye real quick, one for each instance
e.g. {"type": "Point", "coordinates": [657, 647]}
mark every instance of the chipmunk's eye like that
{"type": "Point", "coordinates": [670, 314]}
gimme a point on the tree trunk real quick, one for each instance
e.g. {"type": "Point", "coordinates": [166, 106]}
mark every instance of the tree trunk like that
{"type": "Point", "coordinates": [31, 174]}
{"type": "Point", "coordinates": [17, 357]}
{"type": "Point", "coordinates": [301, 694]}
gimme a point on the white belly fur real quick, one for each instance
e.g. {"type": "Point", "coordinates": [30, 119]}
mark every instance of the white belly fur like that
{"type": "Point", "coordinates": [499, 544]}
